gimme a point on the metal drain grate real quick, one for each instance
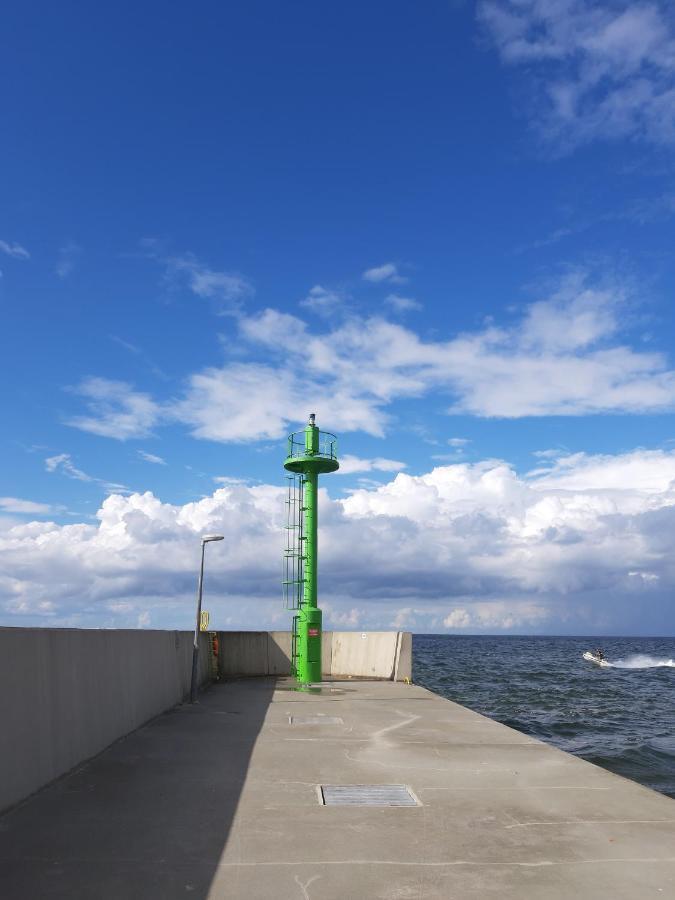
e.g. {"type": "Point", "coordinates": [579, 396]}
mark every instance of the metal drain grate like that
{"type": "Point", "coordinates": [367, 795]}
{"type": "Point", "coordinates": [315, 720]}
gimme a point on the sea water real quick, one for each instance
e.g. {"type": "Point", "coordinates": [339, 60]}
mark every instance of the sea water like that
{"type": "Point", "coordinates": [621, 717]}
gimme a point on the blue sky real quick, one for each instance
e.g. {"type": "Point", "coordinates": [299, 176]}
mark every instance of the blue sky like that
{"type": "Point", "coordinates": [445, 228]}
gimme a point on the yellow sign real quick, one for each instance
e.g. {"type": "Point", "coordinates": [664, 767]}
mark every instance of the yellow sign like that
{"type": "Point", "coordinates": [204, 621]}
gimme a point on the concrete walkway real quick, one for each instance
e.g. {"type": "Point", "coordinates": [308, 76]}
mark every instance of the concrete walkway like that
{"type": "Point", "coordinates": [220, 800]}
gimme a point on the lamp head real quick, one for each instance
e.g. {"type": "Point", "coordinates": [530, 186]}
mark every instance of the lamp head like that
{"type": "Point", "coordinates": [212, 537]}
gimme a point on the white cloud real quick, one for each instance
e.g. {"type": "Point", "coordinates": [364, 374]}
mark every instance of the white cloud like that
{"type": "Point", "coordinates": [388, 272]}
{"type": "Point", "coordinates": [322, 300]}
{"type": "Point", "coordinates": [226, 287]}
{"type": "Point", "coordinates": [604, 69]}
{"type": "Point", "coordinates": [225, 290]}
{"type": "Point", "coordinates": [152, 458]}
{"type": "Point", "coordinates": [14, 250]}
{"type": "Point", "coordinates": [242, 402]}
{"type": "Point", "coordinates": [575, 317]}
{"type": "Point", "coordinates": [457, 618]}
{"type": "Point", "coordinates": [339, 618]}
{"type": "Point", "coordinates": [402, 304]}
{"type": "Point", "coordinates": [643, 472]}
{"type": "Point", "coordinates": [551, 453]}
{"type": "Point", "coordinates": [565, 355]}
{"type": "Point", "coordinates": [458, 444]}
{"type": "Point", "coordinates": [24, 507]}
{"type": "Point", "coordinates": [562, 358]}
{"type": "Point", "coordinates": [497, 615]}
{"type": "Point", "coordinates": [116, 410]}
{"type": "Point", "coordinates": [351, 464]}
{"type": "Point", "coordinates": [63, 464]}
{"type": "Point", "coordinates": [472, 547]}
{"type": "Point", "coordinates": [253, 401]}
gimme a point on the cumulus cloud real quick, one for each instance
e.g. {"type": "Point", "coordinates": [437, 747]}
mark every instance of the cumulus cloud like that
{"type": "Point", "coordinates": [603, 69]}
{"type": "Point", "coordinates": [640, 473]}
{"type": "Point", "coordinates": [457, 618]}
{"type": "Point", "coordinates": [497, 615]}
{"type": "Point", "coordinates": [470, 547]}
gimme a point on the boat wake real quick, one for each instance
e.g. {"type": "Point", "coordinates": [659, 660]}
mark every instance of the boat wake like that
{"type": "Point", "coordinates": [642, 661]}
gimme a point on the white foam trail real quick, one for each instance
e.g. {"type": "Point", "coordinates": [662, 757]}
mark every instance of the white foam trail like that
{"type": "Point", "coordinates": [642, 661]}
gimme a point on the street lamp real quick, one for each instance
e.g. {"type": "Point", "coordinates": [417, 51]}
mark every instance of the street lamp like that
{"type": "Point", "coordinates": [195, 647]}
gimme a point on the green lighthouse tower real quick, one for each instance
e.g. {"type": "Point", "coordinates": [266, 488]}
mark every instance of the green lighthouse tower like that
{"type": "Point", "coordinates": [310, 453]}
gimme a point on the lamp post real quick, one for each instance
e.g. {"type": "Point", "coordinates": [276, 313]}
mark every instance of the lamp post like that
{"type": "Point", "coordinates": [195, 647]}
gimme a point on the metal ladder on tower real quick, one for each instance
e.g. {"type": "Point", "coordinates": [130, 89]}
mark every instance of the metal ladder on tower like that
{"type": "Point", "coordinates": [293, 582]}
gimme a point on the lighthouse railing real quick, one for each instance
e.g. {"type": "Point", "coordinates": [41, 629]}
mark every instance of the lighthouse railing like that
{"type": "Point", "coordinates": [297, 446]}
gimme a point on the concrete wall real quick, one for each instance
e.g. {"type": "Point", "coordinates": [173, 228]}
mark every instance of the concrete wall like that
{"type": "Point", "coordinates": [66, 694]}
{"type": "Point", "coordinates": [372, 654]}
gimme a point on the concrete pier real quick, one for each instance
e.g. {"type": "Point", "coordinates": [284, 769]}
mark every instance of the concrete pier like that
{"type": "Point", "coordinates": [67, 693]}
{"type": "Point", "coordinates": [222, 800]}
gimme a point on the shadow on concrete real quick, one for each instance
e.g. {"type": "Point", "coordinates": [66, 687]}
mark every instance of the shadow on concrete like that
{"type": "Point", "coordinates": [149, 817]}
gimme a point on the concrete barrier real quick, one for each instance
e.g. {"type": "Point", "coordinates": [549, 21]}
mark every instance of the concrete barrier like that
{"type": "Point", "coordinates": [403, 663]}
{"type": "Point", "coordinates": [364, 654]}
{"type": "Point", "coordinates": [370, 654]}
{"type": "Point", "coordinates": [66, 694]}
{"type": "Point", "coordinates": [278, 652]}
{"type": "Point", "coordinates": [243, 652]}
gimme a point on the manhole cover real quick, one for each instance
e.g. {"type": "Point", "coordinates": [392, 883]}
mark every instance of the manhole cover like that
{"type": "Point", "coordinates": [367, 795]}
{"type": "Point", "coordinates": [315, 720]}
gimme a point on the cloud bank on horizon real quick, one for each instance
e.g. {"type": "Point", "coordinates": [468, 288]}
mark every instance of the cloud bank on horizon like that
{"type": "Point", "coordinates": [583, 545]}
